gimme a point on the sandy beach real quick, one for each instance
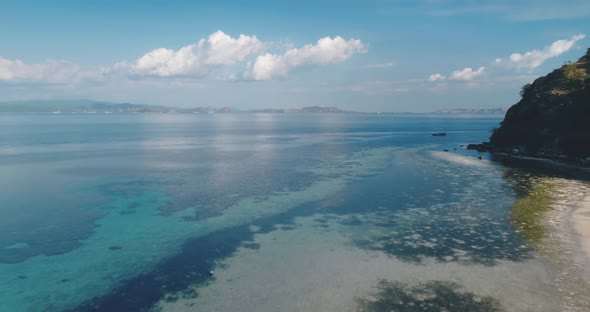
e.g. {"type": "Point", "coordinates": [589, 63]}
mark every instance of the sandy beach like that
{"type": "Point", "coordinates": [581, 224]}
{"type": "Point", "coordinates": [568, 242]}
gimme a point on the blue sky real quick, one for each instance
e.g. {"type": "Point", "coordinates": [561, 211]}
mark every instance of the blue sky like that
{"type": "Point", "coordinates": [373, 55]}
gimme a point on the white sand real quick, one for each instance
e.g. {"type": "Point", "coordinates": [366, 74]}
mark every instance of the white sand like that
{"type": "Point", "coordinates": [460, 159]}
{"type": "Point", "coordinates": [568, 243]}
{"type": "Point", "coordinates": [314, 269]}
{"type": "Point", "coordinates": [581, 222]}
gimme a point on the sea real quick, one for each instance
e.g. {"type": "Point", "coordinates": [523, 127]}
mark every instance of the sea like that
{"type": "Point", "coordinates": [270, 212]}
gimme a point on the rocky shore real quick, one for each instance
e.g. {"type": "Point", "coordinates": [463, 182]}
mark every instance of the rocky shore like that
{"type": "Point", "coordinates": [521, 153]}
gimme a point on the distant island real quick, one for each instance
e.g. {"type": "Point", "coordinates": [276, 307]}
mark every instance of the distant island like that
{"type": "Point", "coordinates": [77, 106]}
{"type": "Point", "coordinates": [308, 109]}
{"type": "Point", "coordinates": [98, 107]}
{"type": "Point", "coordinates": [552, 120]}
{"type": "Point", "coordinates": [101, 107]}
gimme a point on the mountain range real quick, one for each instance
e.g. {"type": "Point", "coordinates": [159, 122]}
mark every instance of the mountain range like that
{"type": "Point", "coordinates": [92, 106]}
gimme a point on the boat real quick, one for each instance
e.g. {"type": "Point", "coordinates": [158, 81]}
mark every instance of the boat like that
{"type": "Point", "coordinates": [439, 134]}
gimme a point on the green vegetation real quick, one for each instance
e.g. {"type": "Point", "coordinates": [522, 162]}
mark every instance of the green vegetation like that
{"type": "Point", "coordinates": [529, 210]}
{"type": "Point", "coordinates": [573, 76]}
{"type": "Point", "coordinates": [525, 89]}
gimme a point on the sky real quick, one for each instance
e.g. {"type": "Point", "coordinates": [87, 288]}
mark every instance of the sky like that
{"type": "Point", "coordinates": [370, 55]}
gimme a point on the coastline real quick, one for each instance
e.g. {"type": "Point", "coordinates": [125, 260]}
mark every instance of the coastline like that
{"type": "Point", "coordinates": [580, 220]}
{"type": "Point", "coordinates": [581, 166]}
{"type": "Point", "coordinates": [551, 163]}
{"type": "Point", "coordinates": [570, 219]}
{"type": "Point", "coordinates": [567, 244]}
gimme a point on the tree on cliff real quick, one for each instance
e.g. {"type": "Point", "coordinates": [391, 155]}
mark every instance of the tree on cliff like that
{"type": "Point", "coordinates": [524, 89]}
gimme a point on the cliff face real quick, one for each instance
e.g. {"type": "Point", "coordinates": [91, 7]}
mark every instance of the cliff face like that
{"type": "Point", "coordinates": [553, 116]}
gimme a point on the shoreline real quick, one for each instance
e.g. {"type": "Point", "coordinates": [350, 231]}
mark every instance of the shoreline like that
{"type": "Point", "coordinates": [549, 162]}
{"type": "Point", "coordinates": [580, 224]}
{"type": "Point", "coordinates": [553, 161]}
{"type": "Point", "coordinates": [565, 246]}
{"type": "Point", "coordinates": [576, 216]}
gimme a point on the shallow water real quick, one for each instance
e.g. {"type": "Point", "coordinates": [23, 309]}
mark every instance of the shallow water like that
{"type": "Point", "coordinates": [292, 212]}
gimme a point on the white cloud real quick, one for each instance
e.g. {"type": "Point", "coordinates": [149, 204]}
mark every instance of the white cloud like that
{"type": "Point", "coordinates": [219, 57]}
{"type": "Point", "coordinates": [196, 59]}
{"type": "Point", "coordinates": [225, 50]}
{"type": "Point", "coordinates": [50, 71]}
{"type": "Point", "coordinates": [467, 74]}
{"type": "Point", "coordinates": [436, 77]}
{"type": "Point", "coordinates": [534, 59]}
{"type": "Point", "coordinates": [325, 51]}
{"type": "Point", "coordinates": [529, 60]}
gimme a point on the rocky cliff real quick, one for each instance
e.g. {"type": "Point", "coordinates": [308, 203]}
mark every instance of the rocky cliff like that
{"type": "Point", "coordinates": [553, 117]}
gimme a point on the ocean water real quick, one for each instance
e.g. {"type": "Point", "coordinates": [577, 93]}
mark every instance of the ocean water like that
{"type": "Point", "coordinates": [291, 213]}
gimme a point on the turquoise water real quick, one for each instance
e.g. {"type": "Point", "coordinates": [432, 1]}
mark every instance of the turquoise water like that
{"type": "Point", "coordinates": [119, 212]}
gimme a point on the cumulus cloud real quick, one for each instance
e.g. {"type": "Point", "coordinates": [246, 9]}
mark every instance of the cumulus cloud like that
{"type": "Point", "coordinates": [325, 51]}
{"type": "Point", "coordinates": [533, 59]}
{"type": "Point", "coordinates": [467, 74]}
{"type": "Point", "coordinates": [529, 60]}
{"type": "Point", "coordinates": [50, 71]}
{"type": "Point", "coordinates": [219, 56]}
{"type": "Point", "coordinates": [196, 59]}
{"type": "Point", "coordinates": [436, 77]}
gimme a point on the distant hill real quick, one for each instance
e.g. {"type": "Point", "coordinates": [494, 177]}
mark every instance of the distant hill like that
{"type": "Point", "coordinates": [481, 111]}
{"type": "Point", "coordinates": [553, 117]}
{"type": "Point", "coordinates": [308, 109]}
{"type": "Point", "coordinates": [78, 106]}
{"type": "Point", "coordinates": [90, 106]}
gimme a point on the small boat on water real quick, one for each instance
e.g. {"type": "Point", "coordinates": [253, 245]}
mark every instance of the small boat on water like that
{"type": "Point", "coordinates": [439, 134]}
